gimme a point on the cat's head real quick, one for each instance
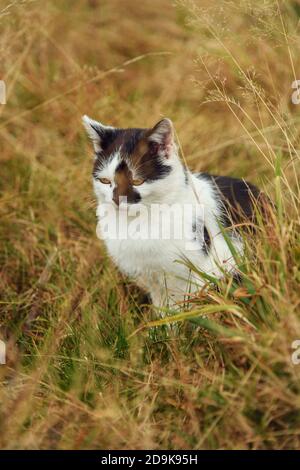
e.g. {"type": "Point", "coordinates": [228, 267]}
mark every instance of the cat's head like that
{"type": "Point", "coordinates": [134, 165]}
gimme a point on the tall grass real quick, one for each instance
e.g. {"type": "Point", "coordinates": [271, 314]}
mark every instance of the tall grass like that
{"type": "Point", "coordinates": [87, 365]}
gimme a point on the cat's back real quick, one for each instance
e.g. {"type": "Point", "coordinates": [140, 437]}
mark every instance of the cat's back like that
{"type": "Point", "coordinates": [237, 199]}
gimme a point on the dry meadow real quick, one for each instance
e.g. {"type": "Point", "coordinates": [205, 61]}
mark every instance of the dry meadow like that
{"type": "Point", "coordinates": [87, 367]}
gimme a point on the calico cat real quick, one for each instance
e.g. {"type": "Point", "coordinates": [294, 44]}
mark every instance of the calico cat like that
{"type": "Point", "coordinates": [140, 168]}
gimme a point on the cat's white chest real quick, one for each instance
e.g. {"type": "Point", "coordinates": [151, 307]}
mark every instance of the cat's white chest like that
{"type": "Point", "coordinates": [154, 251]}
{"type": "Point", "coordinates": [139, 246]}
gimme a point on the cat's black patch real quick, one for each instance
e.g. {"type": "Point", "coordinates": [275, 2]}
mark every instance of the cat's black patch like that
{"type": "Point", "coordinates": [109, 141]}
{"type": "Point", "coordinates": [207, 240]}
{"type": "Point", "coordinates": [115, 140]}
{"type": "Point", "coordinates": [131, 140]}
{"type": "Point", "coordinates": [107, 136]}
{"type": "Point", "coordinates": [122, 167]}
{"type": "Point", "coordinates": [237, 197]}
{"type": "Point", "coordinates": [186, 175]}
{"type": "Point", "coordinates": [152, 169]}
{"type": "Point", "coordinates": [201, 234]}
{"type": "Point", "coordinates": [133, 147]}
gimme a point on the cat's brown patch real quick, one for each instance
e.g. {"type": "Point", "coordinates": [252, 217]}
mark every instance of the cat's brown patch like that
{"type": "Point", "coordinates": [123, 180]}
{"type": "Point", "coordinates": [140, 155]}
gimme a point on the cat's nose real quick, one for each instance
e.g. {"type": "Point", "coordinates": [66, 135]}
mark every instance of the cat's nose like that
{"type": "Point", "coordinates": [116, 200]}
{"type": "Point", "coordinates": [115, 197]}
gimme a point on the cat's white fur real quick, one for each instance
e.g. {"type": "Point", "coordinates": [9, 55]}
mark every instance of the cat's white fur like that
{"type": "Point", "coordinates": [156, 265]}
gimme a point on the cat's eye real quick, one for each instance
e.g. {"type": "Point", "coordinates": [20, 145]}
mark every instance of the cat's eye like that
{"type": "Point", "coordinates": [104, 180]}
{"type": "Point", "coordinates": [138, 182]}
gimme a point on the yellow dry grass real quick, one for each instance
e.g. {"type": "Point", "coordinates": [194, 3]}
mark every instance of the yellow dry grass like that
{"type": "Point", "coordinates": [81, 372]}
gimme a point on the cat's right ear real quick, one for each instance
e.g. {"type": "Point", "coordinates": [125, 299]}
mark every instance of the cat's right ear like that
{"type": "Point", "coordinates": [96, 131]}
{"type": "Point", "coordinates": [161, 138]}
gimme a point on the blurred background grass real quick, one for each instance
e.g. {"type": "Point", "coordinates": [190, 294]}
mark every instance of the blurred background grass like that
{"type": "Point", "coordinates": [81, 372]}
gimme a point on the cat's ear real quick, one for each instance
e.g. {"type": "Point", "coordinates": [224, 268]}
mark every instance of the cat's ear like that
{"type": "Point", "coordinates": [161, 136]}
{"type": "Point", "coordinates": [96, 131]}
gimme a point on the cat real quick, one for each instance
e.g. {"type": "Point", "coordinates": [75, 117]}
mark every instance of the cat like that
{"type": "Point", "coordinates": [140, 168]}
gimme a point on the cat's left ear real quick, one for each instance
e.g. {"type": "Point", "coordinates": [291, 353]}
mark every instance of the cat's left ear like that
{"type": "Point", "coordinates": [96, 131]}
{"type": "Point", "coordinates": [161, 137]}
